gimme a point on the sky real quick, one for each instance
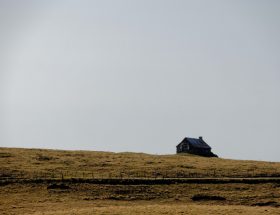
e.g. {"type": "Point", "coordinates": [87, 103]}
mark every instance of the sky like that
{"type": "Point", "coordinates": [140, 76]}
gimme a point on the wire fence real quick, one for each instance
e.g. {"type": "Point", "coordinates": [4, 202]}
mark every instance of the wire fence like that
{"type": "Point", "coordinates": [66, 174]}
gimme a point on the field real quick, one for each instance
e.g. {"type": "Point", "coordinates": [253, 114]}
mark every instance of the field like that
{"type": "Point", "coordinates": [35, 181]}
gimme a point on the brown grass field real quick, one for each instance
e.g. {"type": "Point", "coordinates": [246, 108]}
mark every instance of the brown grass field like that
{"type": "Point", "coordinates": [35, 181]}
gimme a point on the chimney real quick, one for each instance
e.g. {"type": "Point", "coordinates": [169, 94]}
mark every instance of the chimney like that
{"type": "Point", "coordinates": [200, 138]}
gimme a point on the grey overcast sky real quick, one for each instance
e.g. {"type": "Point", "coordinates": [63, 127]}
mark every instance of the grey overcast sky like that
{"type": "Point", "coordinates": [141, 75]}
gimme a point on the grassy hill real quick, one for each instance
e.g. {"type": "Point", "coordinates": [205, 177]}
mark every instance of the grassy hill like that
{"type": "Point", "coordinates": [33, 162]}
{"type": "Point", "coordinates": [63, 195]}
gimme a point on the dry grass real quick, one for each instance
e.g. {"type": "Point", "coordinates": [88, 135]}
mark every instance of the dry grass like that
{"type": "Point", "coordinates": [88, 198]}
{"type": "Point", "coordinates": [156, 199]}
{"type": "Point", "coordinates": [31, 162]}
{"type": "Point", "coordinates": [97, 199]}
{"type": "Point", "coordinates": [168, 209]}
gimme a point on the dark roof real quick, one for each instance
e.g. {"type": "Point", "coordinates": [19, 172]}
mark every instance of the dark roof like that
{"type": "Point", "coordinates": [197, 143]}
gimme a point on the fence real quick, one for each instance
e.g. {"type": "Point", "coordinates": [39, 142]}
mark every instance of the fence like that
{"type": "Point", "coordinates": [66, 174]}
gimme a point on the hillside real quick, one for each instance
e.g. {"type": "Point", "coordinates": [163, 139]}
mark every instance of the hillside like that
{"type": "Point", "coordinates": [35, 181]}
{"type": "Point", "coordinates": [30, 162]}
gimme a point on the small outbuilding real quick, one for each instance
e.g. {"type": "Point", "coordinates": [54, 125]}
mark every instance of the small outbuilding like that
{"type": "Point", "coordinates": [195, 146]}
